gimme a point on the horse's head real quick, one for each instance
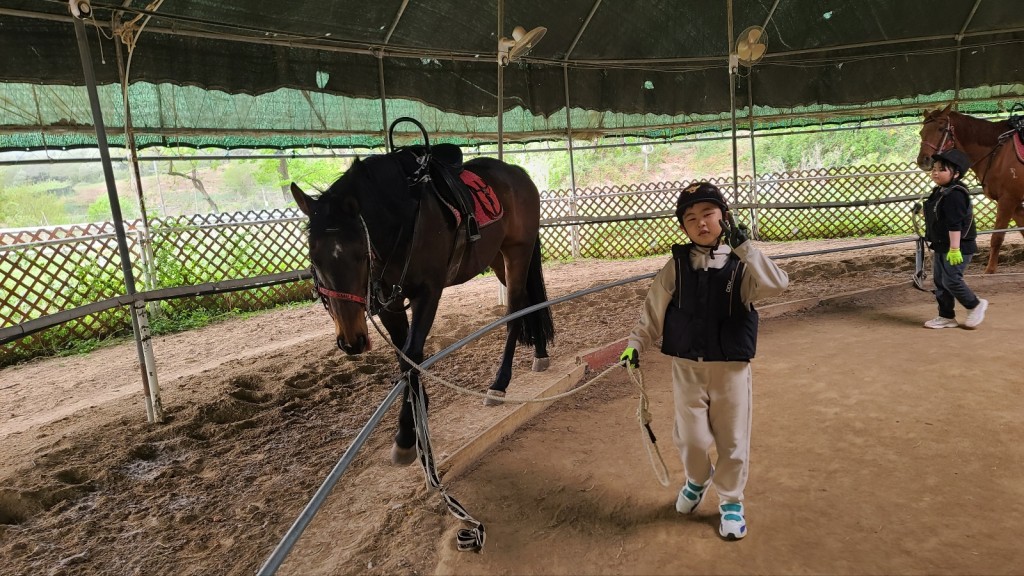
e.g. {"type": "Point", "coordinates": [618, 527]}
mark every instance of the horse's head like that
{"type": "Point", "coordinates": [936, 136]}
{"type": "Point", "coordinates": [340, 256]}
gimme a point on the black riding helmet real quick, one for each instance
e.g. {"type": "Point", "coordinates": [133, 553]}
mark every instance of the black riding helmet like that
{"type": "Point", "coordinates": [955, 159]}
{"type": "Point", "coordinates": [700, 192]}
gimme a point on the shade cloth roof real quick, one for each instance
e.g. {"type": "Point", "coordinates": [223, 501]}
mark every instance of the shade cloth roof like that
{"type": "Point", "coordinates": [314, 72]}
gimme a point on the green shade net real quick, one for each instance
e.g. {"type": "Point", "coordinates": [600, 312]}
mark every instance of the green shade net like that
{"type": "Point", "coordinates": [169, 115]}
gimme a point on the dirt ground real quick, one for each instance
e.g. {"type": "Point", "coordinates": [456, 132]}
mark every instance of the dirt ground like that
{"type": "Point", "coordinates": [879, 447]}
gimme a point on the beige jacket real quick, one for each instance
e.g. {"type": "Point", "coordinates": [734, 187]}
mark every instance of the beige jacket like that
{"type": "Point", "coordinates": [761, 279]}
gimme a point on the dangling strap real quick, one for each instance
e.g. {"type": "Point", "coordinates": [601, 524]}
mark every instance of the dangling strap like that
{"type": "Point", "coordinates": [469, 539]}
{"type": "Point", "coordinates": [643, 416]}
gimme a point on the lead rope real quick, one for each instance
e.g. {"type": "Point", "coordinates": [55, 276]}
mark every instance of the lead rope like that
{"type": "Point", "coordinates": [643, 416]}
{"type": "Point", "coordinates": [468, 539]}
{"type": "Point", "coordinates": [434, 378]}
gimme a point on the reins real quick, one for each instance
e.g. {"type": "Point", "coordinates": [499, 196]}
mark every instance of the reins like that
{"type": "Point", "coordinates": [643, 413]}
{"type": "Point", "coordinates": [950, 135]}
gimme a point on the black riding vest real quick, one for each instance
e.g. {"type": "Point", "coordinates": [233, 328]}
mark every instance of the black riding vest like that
{"type": "Point", "coordinates": [935, 225]}
{"type": "Point", "coordinates": [706, 318]}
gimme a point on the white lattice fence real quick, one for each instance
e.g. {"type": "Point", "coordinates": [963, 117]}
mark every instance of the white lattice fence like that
{"type": "Point", "coordinates": [48, 270]}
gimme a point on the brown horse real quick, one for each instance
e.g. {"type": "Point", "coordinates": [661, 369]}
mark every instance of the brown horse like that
{"type": "Point", "coordinates": [996, 166]}
{"type": "Point", "coordinates": [381, 236]}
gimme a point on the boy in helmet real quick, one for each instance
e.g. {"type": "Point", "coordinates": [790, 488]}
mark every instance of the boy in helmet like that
{"type": "Point", "coordinates": [949, 228]}
{"type": "Point", "coordinates": [701, 305]}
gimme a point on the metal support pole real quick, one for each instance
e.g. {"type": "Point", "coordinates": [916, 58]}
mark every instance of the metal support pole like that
{"type": "Point", "coordinates": [755, 233]}
{"type": "Point", "coordinates": [502, 289]}
{"type": "Point", "coordinates": [154, 410]}
{"type": "Point", "coordinates": [501, 83]}
{"type": "Point", "coordinates": [574, 230]}
{"type": "Point", "coordinates": [144, 235]}
{"type": "Point", "coordinates": [383, 100]}
{"type": "Point", "coordinates": [733, 64]}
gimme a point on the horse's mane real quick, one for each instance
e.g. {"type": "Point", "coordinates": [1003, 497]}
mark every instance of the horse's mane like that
{"type": "Point", "coordinates": [376, 179]}
{"type": "Point", "coordinates": [980, 131]}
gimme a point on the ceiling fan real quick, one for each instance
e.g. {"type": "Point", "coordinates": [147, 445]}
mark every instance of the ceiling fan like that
{"type": "Point", "coordinates": [510, 49]}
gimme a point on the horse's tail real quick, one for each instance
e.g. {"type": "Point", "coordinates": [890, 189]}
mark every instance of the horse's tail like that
{"type": "Point", "coordinates": [537, 326]}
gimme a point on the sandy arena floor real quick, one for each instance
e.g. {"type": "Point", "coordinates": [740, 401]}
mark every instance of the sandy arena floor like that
{"type": "Point", "coordinates": [879, 447]}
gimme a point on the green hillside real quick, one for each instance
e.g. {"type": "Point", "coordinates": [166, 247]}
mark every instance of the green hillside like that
{"type": "Point", "coordinates": [51, 194]}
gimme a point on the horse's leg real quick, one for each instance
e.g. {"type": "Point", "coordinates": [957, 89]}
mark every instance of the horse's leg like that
{"type": "Point", "coordinates": [514, 278]}
{"type": "Point", "coordinates": [1018, 217]}
{"type": "Point", "coordinates": [403, 451]}
{"type": "Point", "coordinates": [504, 375]}
{"type": "Point", "coordinates": [541, 362]}
{"type": "Point", "coordinates": [1005, 208]}
{"type": "Point", "coordinates": [424, 308]}
{"type": "Point", "coordinates": [538, 327]}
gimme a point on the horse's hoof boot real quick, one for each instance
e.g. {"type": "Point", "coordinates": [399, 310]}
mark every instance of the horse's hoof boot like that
{"type": "Point", "coordinates": [541, 364]}
{"type": "Point", "coordinates": [402, 456]}
{"type": "Point", "coordinates": [494, 398]}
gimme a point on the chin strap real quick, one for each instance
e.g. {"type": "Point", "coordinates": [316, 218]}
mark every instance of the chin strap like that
{"type": "Point", "coordinates": [717, 244]}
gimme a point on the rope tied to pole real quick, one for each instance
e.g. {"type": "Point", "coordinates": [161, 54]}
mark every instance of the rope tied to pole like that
{"type": "Point", "coordinates": [462, 390]}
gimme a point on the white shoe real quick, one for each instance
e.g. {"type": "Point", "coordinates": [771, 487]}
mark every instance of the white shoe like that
{"type": "Point", "coordinates": [976, 315]}
{"type": "Point", "coordinates": [733, 525]}
{"type": "Point", "coordinates": [691, 494]}
{"type": "Point", "coordinates": [940, 322]}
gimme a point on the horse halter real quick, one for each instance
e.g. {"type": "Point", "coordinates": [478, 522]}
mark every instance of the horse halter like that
{"type": "Point", "coordinates": [326, 294]}
{"type": "Point", "coordinates": [947, 137]}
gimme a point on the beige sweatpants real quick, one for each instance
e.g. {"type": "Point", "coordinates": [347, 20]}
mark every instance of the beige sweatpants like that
{"type": "Point", "coordinates": [713, 404]}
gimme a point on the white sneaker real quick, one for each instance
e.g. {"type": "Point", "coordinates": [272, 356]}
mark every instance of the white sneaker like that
{"type": "Point", "coordinates": [939, 322]}
{"type": "Point", "coordinates": [733, 525]}
{"type": "Point", "coordinates": [976, 315]}
{"type": "Point", "coordinates": [691, 494]}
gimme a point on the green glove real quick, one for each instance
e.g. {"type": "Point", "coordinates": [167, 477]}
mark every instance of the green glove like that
{"type": "Point", "coordinates": [954, 257]}
{"type": "Point", "coordinates": [630, 356]}
{"type": "Point", "coordinates": [735, 234]}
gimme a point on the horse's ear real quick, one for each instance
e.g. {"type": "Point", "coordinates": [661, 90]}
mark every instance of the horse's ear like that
{"type": "Point", "coordinates": [946, 109]}
{"type": "Point", "coordinates": [304, 202]}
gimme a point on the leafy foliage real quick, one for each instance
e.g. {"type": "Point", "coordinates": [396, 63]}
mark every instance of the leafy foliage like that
{"type": "Point", "coordinates": [35, 204]}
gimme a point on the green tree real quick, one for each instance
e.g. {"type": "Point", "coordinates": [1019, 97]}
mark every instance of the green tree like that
{"type": "Point", "coordinates": [32, 205]}
{"type": "Point", "coordinates": [99, 210]}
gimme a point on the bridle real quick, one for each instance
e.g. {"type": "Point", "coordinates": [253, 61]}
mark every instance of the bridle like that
{"type": "Point", "coordinates": [326, 294]}
{"type": "Point", "coordinates": [378, 300]}
{"type": "Point", "coordinates": [947, 137]}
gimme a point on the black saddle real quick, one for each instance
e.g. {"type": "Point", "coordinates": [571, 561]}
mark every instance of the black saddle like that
{"type": "Point", "coordinates": [1016, 120]}
{"type": "Point", "coordinates": [439, 167]}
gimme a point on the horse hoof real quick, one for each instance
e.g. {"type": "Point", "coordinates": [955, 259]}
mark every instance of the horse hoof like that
{"type": "Point", "coordinates": [494, 398]}
{"type": "Point", "coordinates": [402, 456]}
{"type": "Point", "coordinates": [541, 364]}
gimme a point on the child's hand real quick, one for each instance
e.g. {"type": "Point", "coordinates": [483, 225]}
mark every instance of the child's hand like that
{"type": "Point", "coordinates": [630, 356]}
{"type": "Point", "coordinates": [954, 257]}
{"type": "Point", "coordinates": [735, 234]}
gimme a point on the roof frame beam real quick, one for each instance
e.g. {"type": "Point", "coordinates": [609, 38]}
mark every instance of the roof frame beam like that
{"type": "Point", "coordinates": [394, 23]}
{"type": "Point", "coordinates": [583, 28]}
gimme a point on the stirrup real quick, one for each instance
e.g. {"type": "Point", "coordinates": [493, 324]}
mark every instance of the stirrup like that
{"type": "Point", "coordinates": [472, 228]}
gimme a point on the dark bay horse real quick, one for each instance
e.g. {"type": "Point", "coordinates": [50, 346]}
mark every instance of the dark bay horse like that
{"type": "Point", "coordinates": [995, 164]}
{"type": "Point", "coordinates": [380, 236]}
